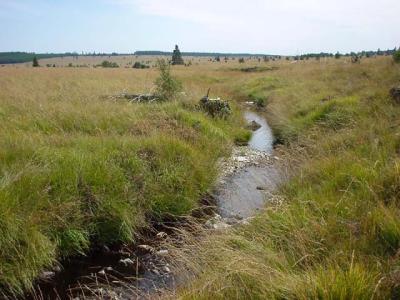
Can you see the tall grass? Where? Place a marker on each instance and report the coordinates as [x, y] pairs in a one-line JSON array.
[[337, 235], [77, 169]]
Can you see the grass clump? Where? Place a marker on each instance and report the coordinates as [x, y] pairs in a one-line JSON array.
[[242, 137]]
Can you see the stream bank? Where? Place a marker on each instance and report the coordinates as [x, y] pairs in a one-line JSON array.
[[247, 181]]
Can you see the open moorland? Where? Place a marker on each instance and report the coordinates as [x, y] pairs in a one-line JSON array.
[[80, 168]]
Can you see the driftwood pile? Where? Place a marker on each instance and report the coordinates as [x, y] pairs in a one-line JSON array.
[[215, 107], [148, 98]]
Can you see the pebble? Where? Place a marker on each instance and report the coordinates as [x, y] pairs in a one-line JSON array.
[[166, 269], [162, 235], [47, 275], [241, 159], [126, 262], [163, 252], [102, 272], [146, 248], [221, 225], [57, 269]]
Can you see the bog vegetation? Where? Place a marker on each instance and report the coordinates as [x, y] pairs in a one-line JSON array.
[[337, 233], [79, 170]]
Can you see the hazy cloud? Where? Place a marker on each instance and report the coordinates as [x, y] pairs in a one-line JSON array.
[[304, 25], [263, 26]]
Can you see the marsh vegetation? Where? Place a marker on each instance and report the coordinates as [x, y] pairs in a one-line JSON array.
[[79, 170]]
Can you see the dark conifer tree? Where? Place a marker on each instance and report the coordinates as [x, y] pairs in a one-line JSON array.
[[177, 57], [35, 62]]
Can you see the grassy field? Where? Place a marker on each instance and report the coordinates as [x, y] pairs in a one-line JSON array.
[[78, 169], [337, 235], [123, 61]]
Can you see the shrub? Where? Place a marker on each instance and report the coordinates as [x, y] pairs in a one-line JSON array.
[[167, 87], [177, 57], [35, 62], [396, 56], [215, 107], [109, 64], [260, 102], [138, 65], [241, 60]]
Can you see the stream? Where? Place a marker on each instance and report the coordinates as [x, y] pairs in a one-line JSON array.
[[123, 273], [262, 139], [246, 191]]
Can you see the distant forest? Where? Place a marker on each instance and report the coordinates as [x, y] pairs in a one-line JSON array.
[[20, 57]]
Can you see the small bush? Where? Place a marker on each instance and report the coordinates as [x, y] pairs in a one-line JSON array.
[[167, 87], [109, 64], [396, 56], [215, 107], [35, 62], [260, 102], [138, 65]]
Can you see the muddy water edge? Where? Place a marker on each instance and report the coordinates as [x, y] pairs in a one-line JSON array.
[[247, 182]]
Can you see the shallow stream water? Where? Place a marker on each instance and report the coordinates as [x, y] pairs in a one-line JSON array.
[[245, 192], [262, 139]]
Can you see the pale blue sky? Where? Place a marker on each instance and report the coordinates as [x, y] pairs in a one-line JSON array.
[[255, 26]]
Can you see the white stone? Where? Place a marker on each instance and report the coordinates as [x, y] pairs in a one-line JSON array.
[[162, 252], [146, 248], [162, 235], [102, 272], [126, 262]]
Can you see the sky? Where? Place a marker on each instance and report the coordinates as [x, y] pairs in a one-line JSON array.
[[286, 27]]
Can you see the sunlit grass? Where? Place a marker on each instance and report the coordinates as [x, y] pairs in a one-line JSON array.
[[337, 234], [78, 168]]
